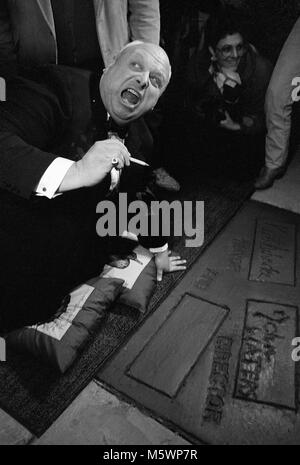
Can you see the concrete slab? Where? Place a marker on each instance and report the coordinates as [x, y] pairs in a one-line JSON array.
[[285, 191], [97, 417], [183, 336], [11, 432], [244, 387]]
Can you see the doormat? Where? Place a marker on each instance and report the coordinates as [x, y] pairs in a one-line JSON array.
[[234, 380], [36, 396]]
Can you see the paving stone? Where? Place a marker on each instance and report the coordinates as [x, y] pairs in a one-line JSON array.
[[11, 432], [191, 326], [97, 417], [244, 386]]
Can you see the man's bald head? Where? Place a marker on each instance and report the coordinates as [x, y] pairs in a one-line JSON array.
[[152, 48], [133, 83]]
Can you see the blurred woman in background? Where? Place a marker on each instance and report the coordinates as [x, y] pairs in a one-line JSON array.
[[225, 92]]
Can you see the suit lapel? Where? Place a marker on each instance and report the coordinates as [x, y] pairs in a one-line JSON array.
[[46, 9]]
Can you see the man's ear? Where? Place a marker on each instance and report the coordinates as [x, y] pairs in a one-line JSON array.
[[212, 52]]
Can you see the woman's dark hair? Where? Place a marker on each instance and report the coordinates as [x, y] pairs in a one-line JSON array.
[[225, 23]]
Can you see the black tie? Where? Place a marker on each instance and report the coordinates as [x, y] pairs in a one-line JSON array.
[[114, 129]]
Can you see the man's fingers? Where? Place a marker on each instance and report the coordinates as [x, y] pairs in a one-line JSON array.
[[174, 264], [177, 264], [122, 159], [121, 150], [125, 156], [177, 260], [177, 268]]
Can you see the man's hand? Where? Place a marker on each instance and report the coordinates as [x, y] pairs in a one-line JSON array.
[[165, 263], [229, 124], [95, 165]]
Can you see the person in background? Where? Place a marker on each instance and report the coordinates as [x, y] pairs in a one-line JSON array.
[[225, 91], [81, 33], [281, 94], [47, 200]]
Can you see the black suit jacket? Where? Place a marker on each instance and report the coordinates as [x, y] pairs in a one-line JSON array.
[[36, 116]]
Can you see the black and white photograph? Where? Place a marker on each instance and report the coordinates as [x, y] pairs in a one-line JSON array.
[[149, 225]]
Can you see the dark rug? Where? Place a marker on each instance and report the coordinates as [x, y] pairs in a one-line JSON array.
[[215, 360], [35, 395]]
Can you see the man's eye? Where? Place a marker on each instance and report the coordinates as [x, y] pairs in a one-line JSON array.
[[156, 81], [136, 65]]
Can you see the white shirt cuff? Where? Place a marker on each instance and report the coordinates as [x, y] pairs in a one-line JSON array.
[[163, 248], [53, 176], [130, 235]]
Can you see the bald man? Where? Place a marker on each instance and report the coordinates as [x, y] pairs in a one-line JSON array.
[[129, 88], [48, 241]]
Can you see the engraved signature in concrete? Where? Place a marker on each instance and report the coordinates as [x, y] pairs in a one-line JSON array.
[[271, 250], [240, 248], [218, 381], [262, 332]]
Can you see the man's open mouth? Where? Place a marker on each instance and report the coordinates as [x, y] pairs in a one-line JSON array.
[[130, 97]]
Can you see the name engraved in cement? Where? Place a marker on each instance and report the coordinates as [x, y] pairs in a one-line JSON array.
[[266, 371], [239, 251], [274, 253], [218, 381], [167, 359]]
